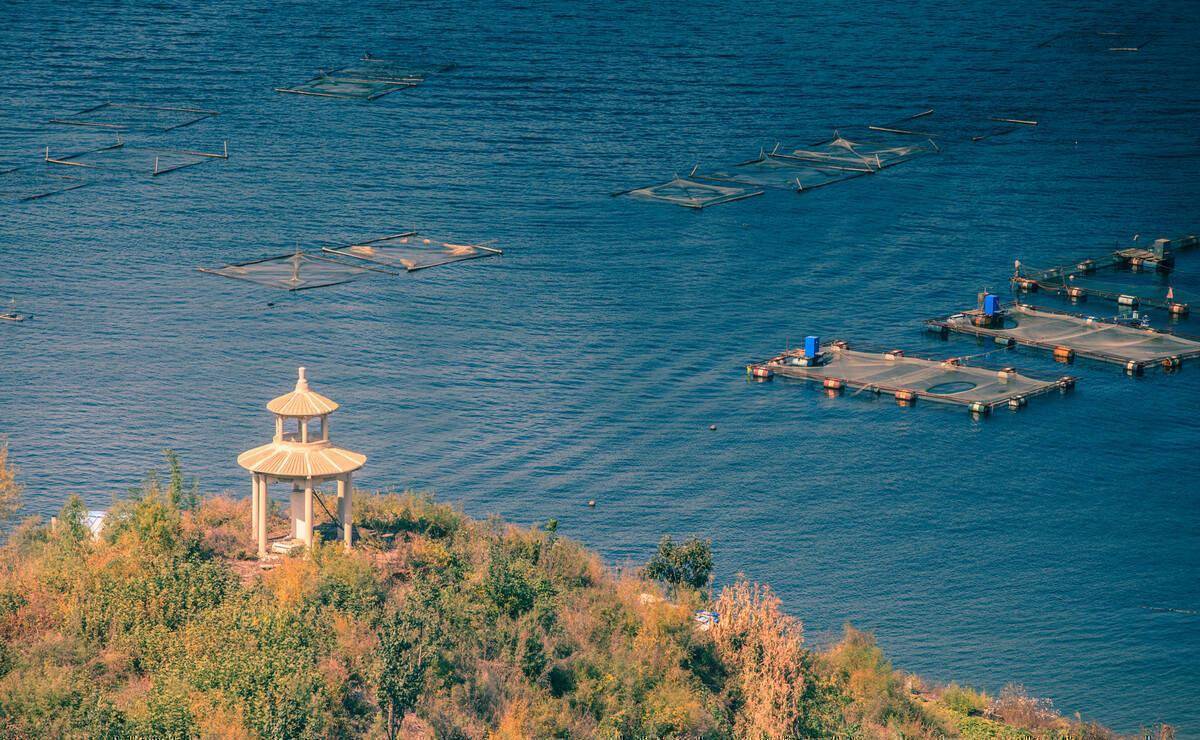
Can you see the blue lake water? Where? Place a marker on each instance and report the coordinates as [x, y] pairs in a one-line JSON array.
[[589, 361]]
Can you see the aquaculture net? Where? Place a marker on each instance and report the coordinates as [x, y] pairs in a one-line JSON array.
[[370, 78], [122, 158], [867, 152], [298, 271], [132, 116], [34, 182], [1087, 336], [691, 193], [943, 381], [774, 171], [411, 251]]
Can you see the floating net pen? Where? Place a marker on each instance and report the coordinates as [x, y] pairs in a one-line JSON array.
[[132, 116], [411, 251], [1070, 335], [837, 367], [34, 182], [294, 272], [691, 193]]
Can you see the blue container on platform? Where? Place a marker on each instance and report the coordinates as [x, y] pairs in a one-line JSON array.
[[812, 346], [991, 305]]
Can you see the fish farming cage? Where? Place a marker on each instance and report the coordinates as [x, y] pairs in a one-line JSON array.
[[951, 381], [1130, 276], [34, 182], [781, 172], [1070, 335], [411, 251], [863, 150], [691, 193], [369, 79], [931, 125], [120, 157], [135, 117], [1098, 42], [293, 272], [800, 169]]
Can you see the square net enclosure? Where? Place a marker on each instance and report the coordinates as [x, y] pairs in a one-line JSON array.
[[691, 193], [412, 251], [293, 272], [370, 78], [787, 173], [908, 378], [867, 151], [1069, 335], [122, 158], [960, 125], [135, 117], [34, 182]]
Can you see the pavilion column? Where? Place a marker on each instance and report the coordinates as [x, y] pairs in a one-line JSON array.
[[345, 507], [262, 516], [254, 504], [308, 512]]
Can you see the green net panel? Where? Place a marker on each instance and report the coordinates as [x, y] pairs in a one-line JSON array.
[[942, 381], [34, 182], [135, 117], [691, 193], [298, 271], [412, 251], [370, 78], [1084, 336]]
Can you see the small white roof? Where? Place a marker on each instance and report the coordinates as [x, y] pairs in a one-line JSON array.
[[302, 401]]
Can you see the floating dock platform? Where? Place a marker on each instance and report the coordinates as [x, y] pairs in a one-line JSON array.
[[1070, 335], [1071, 280], [836, 367]]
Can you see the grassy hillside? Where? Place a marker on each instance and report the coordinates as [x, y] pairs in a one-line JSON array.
[[435, 625]]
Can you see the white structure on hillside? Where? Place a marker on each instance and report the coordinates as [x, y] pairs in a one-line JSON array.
[[304, 457]]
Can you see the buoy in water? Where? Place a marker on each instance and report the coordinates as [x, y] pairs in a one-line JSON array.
[[1076, 294], [712, 427], [1177, 309], [1064, 354], [978, 407], [1171, 363], [906, 397], [1016, 403], [592, 503], [833, 384]]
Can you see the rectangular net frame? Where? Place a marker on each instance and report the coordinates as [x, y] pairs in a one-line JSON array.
[[930, 125], [909, 378], [411, 251], [293, 272], [153, 161], [371, 78], [1070, 335], [782, 172], [133, 116], [27, 183], [681, 191]]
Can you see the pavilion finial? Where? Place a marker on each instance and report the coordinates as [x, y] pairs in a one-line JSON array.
[[301, 382]]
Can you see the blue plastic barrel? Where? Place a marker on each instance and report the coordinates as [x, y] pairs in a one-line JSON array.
[[812, 346]]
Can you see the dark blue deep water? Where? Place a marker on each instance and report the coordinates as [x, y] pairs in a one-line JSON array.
[[589, 361]]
